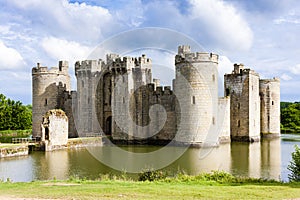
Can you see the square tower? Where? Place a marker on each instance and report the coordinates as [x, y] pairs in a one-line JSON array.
[[242, 85]]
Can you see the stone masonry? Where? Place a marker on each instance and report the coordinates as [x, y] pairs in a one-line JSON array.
[[118, 97]]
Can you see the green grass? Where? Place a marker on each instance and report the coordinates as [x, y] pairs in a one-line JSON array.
[[181, 187], [10, 145], [7, 135]]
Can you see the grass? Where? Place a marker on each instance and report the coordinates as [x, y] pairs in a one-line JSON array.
[[10, 145], [180, 187], [7, 135]]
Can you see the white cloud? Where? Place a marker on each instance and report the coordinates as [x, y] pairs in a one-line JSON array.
[[295, 69], [70, 20], [223, 23], [10, 58], [285, 77], [225, 65], [60, 49]]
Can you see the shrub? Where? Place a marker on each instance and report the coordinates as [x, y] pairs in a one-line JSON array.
[[294, 165], [152, 175]]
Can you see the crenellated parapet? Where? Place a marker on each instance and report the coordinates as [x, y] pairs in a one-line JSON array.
[[115, 61], [89, 65], [185, 55], [62, 69]]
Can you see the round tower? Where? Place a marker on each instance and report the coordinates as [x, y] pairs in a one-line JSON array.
[[196, 88], [48, 86], [269, 91]]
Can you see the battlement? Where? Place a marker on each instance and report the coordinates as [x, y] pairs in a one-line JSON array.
[[183, 49], [62, 69], [239, 69], [128, 62], [272, 80], [185, 55], [92, 65]]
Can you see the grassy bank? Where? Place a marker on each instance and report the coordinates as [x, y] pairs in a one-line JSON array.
[[180, 187], [7, 135]]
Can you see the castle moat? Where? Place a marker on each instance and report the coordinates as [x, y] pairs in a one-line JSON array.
[[267, 159]]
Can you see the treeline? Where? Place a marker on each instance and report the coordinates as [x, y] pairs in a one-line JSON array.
[[290, 117], [14, 115]]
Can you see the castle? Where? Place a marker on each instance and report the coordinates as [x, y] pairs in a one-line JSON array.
[[119, 98]]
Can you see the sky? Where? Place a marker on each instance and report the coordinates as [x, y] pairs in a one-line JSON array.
[[264, 35]]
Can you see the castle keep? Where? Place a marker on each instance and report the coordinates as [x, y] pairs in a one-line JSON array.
[[118, 97]]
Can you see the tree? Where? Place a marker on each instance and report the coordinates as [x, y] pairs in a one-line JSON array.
[[294, 165], [14, 115]]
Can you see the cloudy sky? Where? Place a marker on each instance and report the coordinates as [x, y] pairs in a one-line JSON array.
[[262, 34]]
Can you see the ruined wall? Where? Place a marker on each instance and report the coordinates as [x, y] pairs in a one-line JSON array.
[[242, 85], [54, 129], [48, 86], [196, 88], [269, 90]]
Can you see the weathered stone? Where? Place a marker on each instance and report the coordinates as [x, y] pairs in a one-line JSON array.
[[119, 98]]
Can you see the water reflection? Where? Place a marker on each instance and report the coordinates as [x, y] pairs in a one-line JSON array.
[[255, 160]]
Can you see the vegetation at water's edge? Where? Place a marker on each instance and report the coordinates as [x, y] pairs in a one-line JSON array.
[[294, 165], [290, 117], [7, 135], [217, 185]]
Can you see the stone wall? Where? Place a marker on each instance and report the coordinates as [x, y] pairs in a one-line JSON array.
[[48, 87], [196, 89], [242, 85], [224, 119], [269, 90], [54, 129]]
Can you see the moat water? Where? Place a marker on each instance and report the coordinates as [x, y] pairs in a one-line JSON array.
[[268, 159]]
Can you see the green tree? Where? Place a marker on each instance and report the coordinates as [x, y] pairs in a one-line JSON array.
[[14, 115], [290, 118], [294, 165]]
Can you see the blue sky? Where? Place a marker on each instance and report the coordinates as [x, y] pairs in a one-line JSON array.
[[262, 34]]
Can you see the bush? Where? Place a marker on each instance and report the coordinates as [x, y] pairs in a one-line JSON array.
[[151, 175], [294, 165]]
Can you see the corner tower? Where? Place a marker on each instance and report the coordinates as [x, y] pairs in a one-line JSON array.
[[196, 88], [48, 87], [269, 91], [242, 85]]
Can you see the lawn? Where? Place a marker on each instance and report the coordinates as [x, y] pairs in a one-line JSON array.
[[163, 189]]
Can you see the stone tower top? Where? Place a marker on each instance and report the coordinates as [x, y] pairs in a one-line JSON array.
[[183, 49], [238, 68], [115, 61], [62, 68], [185, 55]]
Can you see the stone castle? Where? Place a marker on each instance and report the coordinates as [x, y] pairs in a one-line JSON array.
[[119, 98]]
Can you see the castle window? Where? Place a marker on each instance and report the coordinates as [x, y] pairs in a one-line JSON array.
[[123, 99], [213, 121], [60, 69], [227, 91], [82, 83], [46, 102], [193, 100], [272, 103], [89, 100], [239, 123], [241, 71], [213, 77], [252, 87]]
